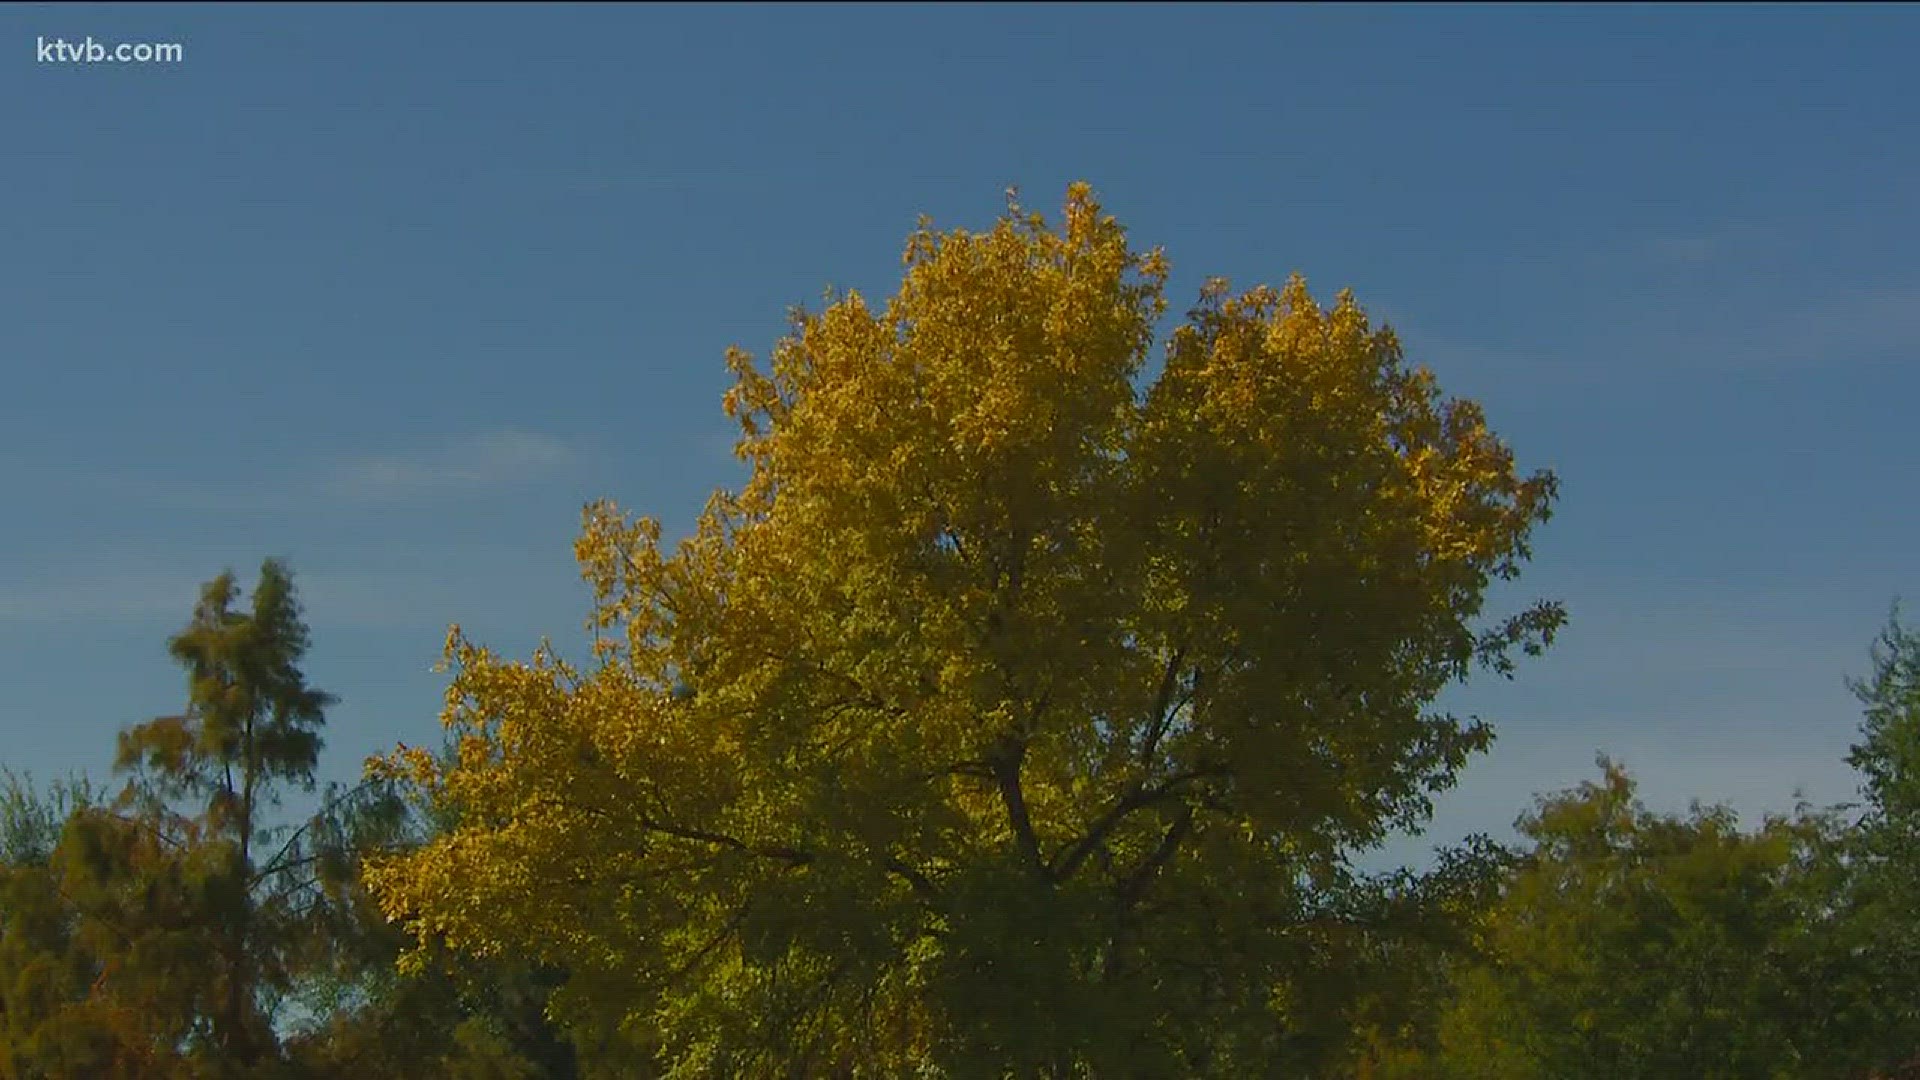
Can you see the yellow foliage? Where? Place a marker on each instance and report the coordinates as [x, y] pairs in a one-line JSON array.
[[986, 621]]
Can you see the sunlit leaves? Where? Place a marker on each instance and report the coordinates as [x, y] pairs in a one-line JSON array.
[[997, 662]]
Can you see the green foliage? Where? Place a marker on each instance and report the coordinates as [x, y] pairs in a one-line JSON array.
[[1011, 721], [1632, 944], [1883, 878], [164, 933], [455, 1016], [30, 821], [170, 937], [1888, 755]]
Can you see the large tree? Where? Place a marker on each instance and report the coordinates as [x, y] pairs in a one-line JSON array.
[[1009, 719], [250, 728], [1625, 943], [181, 922], [176, 932], [1633, 944]]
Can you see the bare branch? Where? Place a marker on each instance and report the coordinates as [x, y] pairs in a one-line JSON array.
[[271, 865]]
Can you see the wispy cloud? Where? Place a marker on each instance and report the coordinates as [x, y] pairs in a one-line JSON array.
[[415, 591], [114, 595], [1750, 325], [1834, 329], [485, 463], [485, 591], [1686, 250], [1727, 688], [1882, 323]]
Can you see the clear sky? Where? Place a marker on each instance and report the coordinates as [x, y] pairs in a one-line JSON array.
[[393, 291]]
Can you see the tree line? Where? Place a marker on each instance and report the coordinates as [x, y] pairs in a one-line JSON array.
[[1020, 716]]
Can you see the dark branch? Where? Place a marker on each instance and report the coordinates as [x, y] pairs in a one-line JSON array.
[[283, 867], [718, 939], [922, 886], [1161, 717], [272, 865], [1135, 884], [978, 770], [1006, 773], [1139, 796], [791, 855]]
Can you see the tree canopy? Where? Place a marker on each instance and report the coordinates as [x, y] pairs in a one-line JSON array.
[[162, 933], [1010, 718], [1020, 716], [1630, 943]]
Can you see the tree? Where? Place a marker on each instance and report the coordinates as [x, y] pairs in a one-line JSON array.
[[251, 726], [456, 1017], [39, 963], [1008, 720], [1633, 944], [147, 936], [184, 932], [1884, 898], [1423, 929], [30, 821]]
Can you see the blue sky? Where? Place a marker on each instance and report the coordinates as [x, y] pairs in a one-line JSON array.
[[392, 291]]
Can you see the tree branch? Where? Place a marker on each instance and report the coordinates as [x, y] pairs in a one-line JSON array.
[[280, 868], [137, 822], [923, 886], [959, 546], [1139, 796], [272, 866], [978, 770], [1006, 773], [1161, 718], [794, 856], [707, 949], [1136, 883]]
